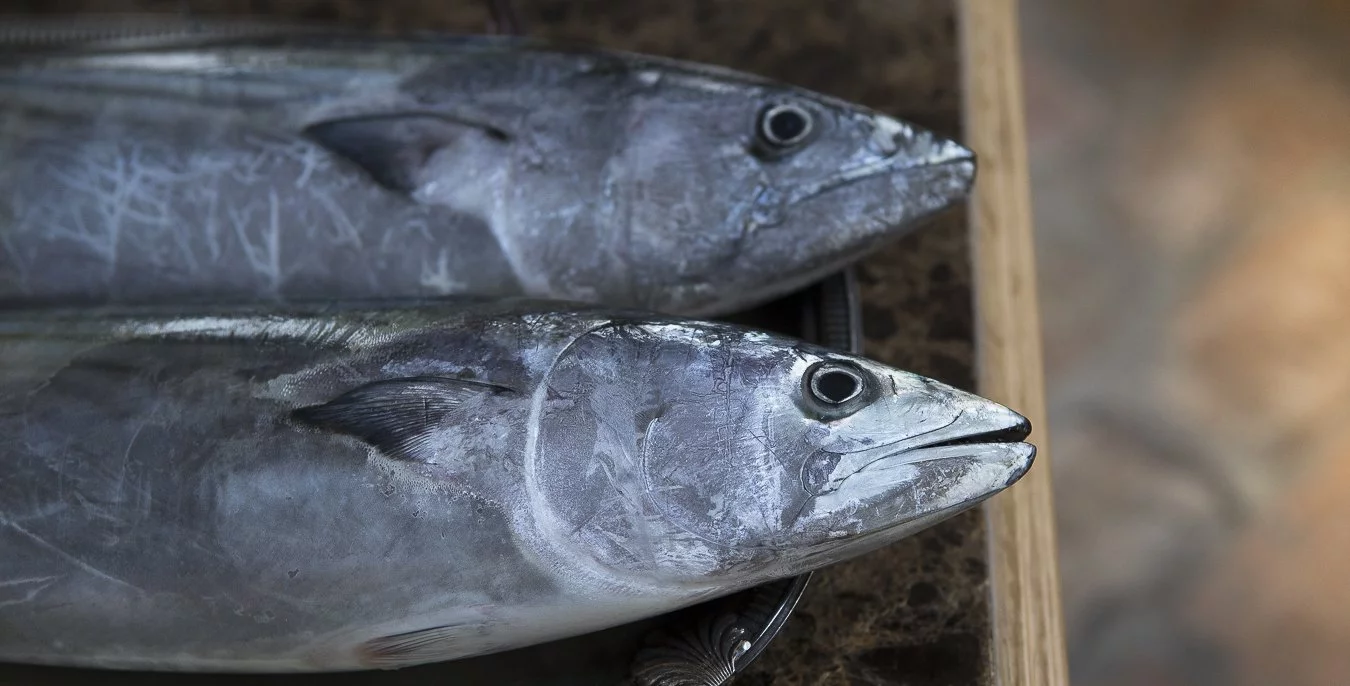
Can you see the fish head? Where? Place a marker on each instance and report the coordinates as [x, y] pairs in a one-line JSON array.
[[737, 190], [713, 454], [886, 453]]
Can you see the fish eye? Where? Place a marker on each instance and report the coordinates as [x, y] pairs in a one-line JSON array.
[[783, 126], [835, 384]]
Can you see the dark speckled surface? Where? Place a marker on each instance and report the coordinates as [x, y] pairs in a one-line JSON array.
[[917, 613]]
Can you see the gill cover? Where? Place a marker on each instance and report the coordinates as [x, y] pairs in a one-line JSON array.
[[669, 449]]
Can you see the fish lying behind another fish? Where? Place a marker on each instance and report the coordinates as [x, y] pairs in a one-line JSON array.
[[304, 165], [342, 488]]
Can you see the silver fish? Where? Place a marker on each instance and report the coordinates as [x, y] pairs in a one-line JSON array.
[[305, 166], [374, 488]]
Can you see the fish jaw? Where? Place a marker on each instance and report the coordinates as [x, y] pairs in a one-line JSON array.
[[881, 494]]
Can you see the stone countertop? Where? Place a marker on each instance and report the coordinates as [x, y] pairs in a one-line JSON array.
[[916, 613]]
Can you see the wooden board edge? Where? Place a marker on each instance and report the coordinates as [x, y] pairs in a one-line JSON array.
[[1028, 642]]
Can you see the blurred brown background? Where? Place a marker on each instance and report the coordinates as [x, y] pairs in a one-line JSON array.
[[1191, 180]]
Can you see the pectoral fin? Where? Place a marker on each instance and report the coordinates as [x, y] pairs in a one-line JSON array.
[[395, 148], [398, 416]]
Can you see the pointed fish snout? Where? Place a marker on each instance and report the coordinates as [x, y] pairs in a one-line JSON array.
[[952, 152], [1017, 430], [936, 150], [1004, 439], [986, 421], [918, 147], [980, 420]]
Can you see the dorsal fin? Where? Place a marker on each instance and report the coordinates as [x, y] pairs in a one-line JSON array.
[[394, 148], [397, 416]]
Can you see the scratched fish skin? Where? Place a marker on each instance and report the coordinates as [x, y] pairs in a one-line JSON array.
[[351, 488], [341, 166]]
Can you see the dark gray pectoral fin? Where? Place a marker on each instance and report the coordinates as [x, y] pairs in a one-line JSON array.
[[393, 148], [398, 416], [429, 645]]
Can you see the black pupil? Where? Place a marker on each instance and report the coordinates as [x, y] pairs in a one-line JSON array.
[[836, 387], [787, 125]]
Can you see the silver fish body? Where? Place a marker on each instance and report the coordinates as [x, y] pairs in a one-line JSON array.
[[335, 166], [374, 488]]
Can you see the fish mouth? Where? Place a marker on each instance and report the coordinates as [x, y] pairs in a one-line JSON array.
[[888, 492], [942, 156], [1016, 433], [1004, 445], [945, 168], [982, 434], [976, 423]]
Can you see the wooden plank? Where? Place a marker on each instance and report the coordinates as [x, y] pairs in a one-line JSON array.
[[1029, 646]]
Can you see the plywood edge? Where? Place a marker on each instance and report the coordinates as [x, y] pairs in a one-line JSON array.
[[1029, 646]]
